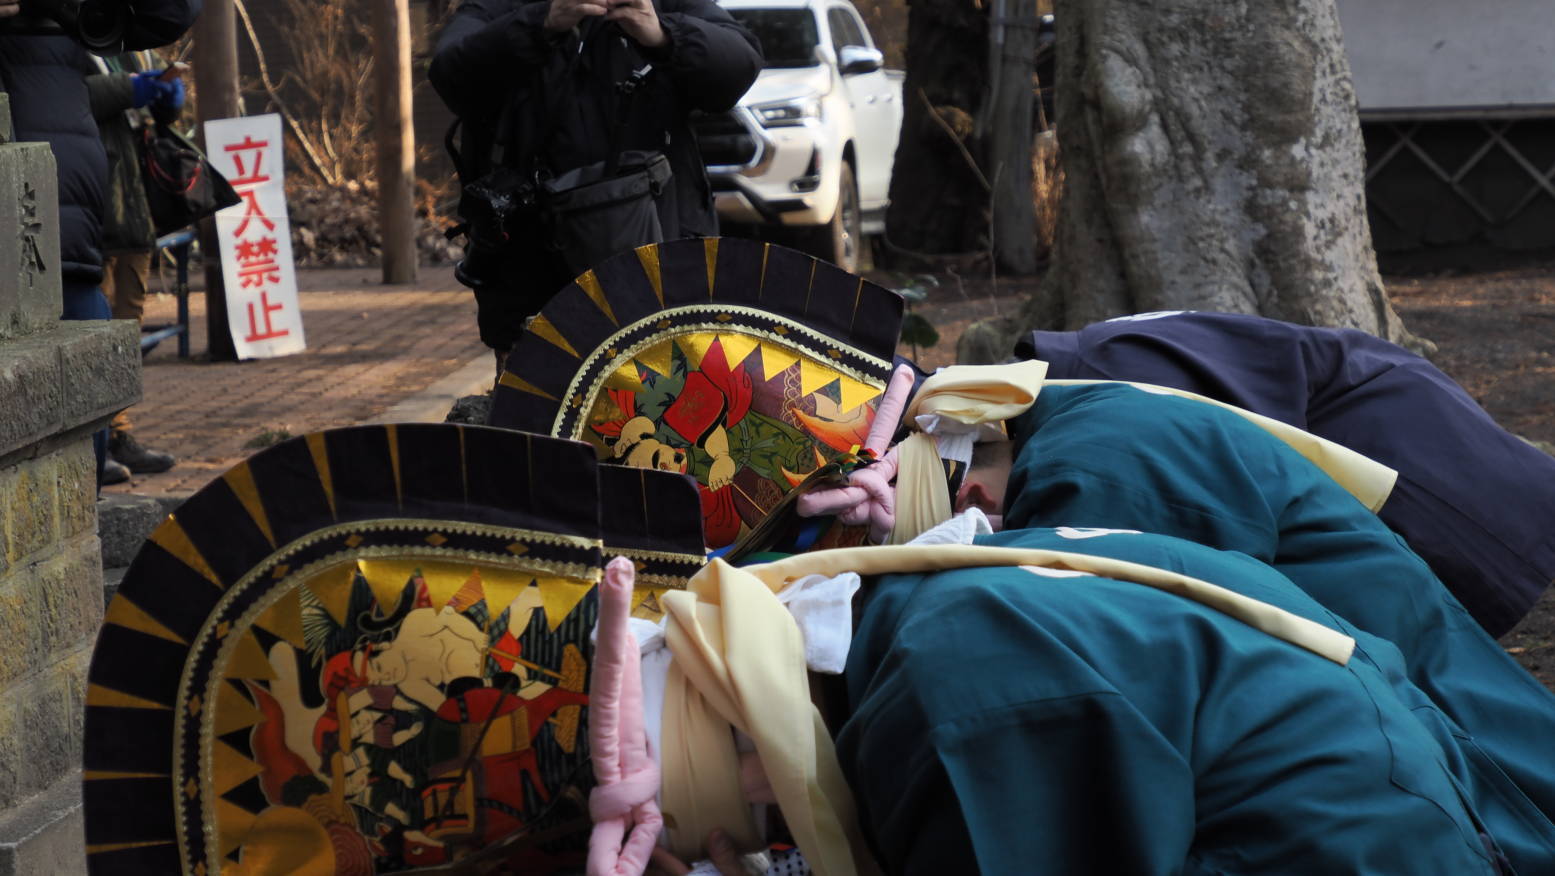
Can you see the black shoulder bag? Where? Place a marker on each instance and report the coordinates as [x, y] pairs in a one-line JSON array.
[[181, 186]]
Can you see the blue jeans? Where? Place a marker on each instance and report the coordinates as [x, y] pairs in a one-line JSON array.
[[86, 301]]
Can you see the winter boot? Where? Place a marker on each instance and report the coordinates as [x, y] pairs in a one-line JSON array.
[[113, 473], [124, 449]]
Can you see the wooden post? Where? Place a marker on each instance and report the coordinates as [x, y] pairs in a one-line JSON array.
[[216, 84], [395, 130], [1009, 139]]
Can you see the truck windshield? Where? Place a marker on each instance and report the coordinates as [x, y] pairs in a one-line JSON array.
[[788, 36]]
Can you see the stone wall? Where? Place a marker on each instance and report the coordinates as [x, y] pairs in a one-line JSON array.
[[59, 382]]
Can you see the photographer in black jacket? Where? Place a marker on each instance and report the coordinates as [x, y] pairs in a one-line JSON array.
[[43, 69], [535, 85]]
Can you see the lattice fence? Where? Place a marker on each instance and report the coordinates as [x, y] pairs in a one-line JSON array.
[[1441, 183]]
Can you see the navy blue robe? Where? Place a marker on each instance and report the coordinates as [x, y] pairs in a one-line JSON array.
[[1476, 502]]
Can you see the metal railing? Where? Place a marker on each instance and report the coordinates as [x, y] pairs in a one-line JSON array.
[[176, 246]]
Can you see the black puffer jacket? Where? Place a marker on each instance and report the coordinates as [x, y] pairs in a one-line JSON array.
[[44, 73], [496, 51]]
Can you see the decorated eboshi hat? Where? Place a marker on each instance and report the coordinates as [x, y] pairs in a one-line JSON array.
[[654, 519], [365, 650], [746, 365]]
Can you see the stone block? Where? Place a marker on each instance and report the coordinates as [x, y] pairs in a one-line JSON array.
[[77, 488], [123, 523], [5, 118], [112, 578], [48, 609], [40, 728], [19, 657], [29, 239], [99, 367], [74, 669], [32, 395], [70, 586], [45, 835], [73, 374], [29, 508]]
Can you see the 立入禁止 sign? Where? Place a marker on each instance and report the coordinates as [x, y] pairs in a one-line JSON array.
[[255, 235]]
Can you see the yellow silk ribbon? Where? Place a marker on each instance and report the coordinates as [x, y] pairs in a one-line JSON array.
[[975, 394], [883, 560], [706, 791], [922, 495], [742, 658], [971, 395]]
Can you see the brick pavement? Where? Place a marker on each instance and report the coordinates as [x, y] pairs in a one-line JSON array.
[[370, 347]]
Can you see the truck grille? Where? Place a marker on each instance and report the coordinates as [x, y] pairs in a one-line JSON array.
[[724, 140]]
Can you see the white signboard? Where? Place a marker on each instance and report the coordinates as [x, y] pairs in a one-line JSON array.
[[256, 240]]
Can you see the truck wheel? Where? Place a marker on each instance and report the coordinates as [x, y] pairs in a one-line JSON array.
[[841, 241]]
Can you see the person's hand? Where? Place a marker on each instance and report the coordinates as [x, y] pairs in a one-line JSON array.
[[640, 21], [173, 97], [720, 851], [9, 8], [564, 15], [153, 88]]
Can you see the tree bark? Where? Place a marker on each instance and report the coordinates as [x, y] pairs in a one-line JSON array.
[[938, 202], [395, 132], [1012, 215], [216, 83], [1212, 160]]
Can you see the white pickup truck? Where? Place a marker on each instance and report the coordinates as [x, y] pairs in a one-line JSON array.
[[809, 148]]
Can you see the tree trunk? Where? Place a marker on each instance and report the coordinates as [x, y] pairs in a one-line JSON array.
[[216, 83], [1212, 160], [939, 203], [1008, 125], [395, 132]]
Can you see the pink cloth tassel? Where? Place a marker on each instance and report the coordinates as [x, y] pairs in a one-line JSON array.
[[869, 497], [628, 779]]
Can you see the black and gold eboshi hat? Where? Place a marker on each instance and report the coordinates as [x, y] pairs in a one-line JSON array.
[[743, 364], [654, 519], [363, 650]]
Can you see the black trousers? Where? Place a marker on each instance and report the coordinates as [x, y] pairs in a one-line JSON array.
[[511, 286]]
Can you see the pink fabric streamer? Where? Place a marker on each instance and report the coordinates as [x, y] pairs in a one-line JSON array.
[[869, 497], [628, 779]]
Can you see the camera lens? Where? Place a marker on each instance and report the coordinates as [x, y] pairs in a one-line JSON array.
[[101, 25]]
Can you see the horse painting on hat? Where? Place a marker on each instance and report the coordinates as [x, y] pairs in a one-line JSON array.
[[745, 365]]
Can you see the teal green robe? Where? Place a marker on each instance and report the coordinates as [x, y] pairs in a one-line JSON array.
[[1114, 456], [1004, 722]]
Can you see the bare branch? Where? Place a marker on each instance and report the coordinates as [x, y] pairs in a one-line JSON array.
[[264, 78], [970, 161]]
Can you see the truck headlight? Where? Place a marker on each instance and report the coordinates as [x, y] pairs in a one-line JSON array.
[[789, 112]]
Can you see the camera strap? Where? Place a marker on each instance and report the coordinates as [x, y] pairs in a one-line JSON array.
[[625, 90], [626, 99]]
